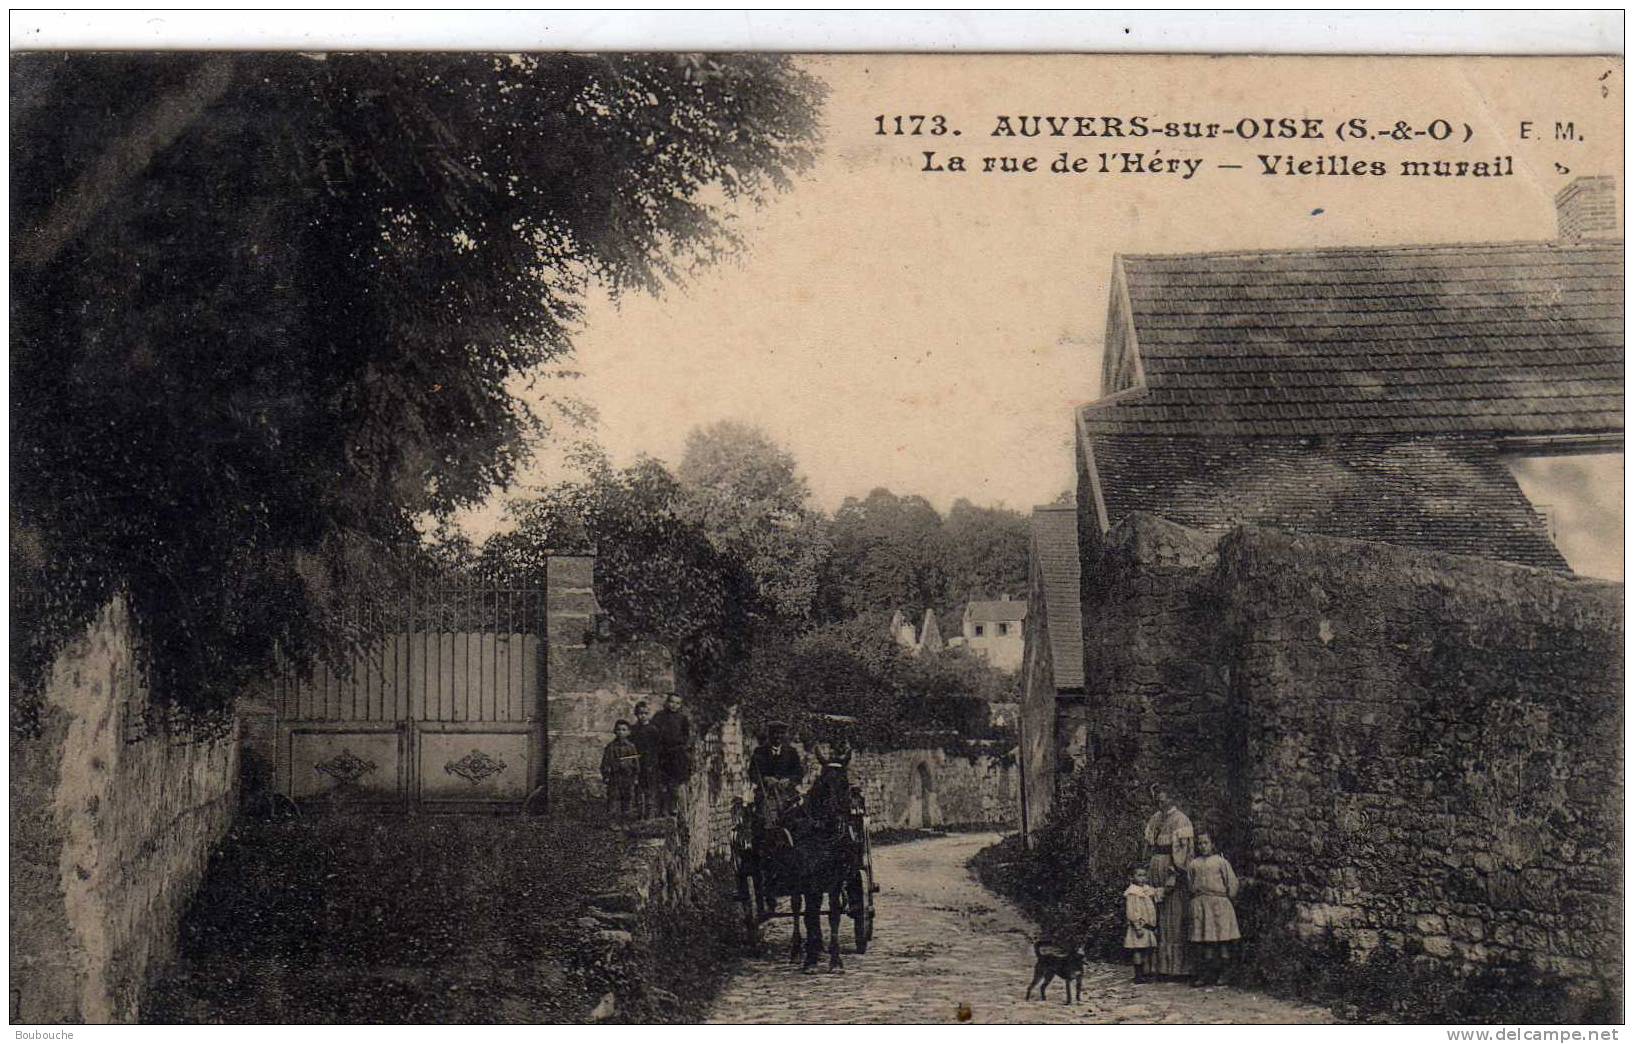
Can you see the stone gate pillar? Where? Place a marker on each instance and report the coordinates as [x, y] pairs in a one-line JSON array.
[[570, 617]]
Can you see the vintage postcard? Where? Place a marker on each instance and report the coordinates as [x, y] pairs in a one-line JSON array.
[[774, 538]]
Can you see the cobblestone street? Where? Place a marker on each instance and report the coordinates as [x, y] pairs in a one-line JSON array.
[[943, 939]]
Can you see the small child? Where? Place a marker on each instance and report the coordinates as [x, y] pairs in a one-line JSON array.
[[621, 769], [1213, 918], [1140, 901]]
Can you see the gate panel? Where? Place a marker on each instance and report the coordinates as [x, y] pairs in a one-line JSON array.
[[346, 764], [444, 706], [459, 765]]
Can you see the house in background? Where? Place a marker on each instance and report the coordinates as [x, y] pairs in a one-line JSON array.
[[930, 634], [926, 639], [902, 630], [1052, 672], [1409, 395], [992, 630]]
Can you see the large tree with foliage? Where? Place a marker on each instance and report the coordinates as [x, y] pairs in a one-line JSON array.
[[659, 577], [747, 493], [265, 308], [895, 551], [985, 552], [854, 669], [887, 553]]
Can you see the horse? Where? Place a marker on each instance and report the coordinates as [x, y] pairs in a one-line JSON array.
[[808, 853], [760, 826]]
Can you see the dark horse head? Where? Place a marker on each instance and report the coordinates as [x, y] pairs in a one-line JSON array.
[[829, 800]]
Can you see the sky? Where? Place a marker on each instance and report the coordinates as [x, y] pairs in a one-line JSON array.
[[932, 332]]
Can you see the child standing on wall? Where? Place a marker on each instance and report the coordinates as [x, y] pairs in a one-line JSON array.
[[620, 769], [1213, 918], [1140, 901]]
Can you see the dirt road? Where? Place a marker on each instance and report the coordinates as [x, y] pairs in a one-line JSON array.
[[944, 940]]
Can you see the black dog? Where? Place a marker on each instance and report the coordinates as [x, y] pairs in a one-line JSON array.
[[1056, 962]]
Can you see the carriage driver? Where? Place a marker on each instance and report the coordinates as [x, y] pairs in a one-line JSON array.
[[775, 759]]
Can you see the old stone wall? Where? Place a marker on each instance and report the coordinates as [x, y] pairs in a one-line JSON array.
[[1035, 719], [1156, 680], [590, 684], [929, 787], [111, 830], [586, 703], [1433, 750], [666, 856], [1408, 749], [720, 779]]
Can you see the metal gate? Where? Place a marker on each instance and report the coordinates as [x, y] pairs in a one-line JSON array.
[[445, 708]]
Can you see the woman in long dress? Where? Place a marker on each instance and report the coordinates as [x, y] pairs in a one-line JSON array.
[[1169, 850]]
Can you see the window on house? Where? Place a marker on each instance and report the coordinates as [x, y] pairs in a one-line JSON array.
[[979, 630], [1004, 629]]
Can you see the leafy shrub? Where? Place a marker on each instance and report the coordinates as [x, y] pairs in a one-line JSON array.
[[852, 679]]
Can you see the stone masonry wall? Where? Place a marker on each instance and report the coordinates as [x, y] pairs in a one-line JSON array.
[[1433, 751], [587, 701], [1035, 724], [109, 835], [665, 856], [593, 684], [1157, 682], [1408, 749], [590, 684], [930, 788], [720, 778]]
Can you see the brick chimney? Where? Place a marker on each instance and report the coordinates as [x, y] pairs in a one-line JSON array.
[[1587, 209]]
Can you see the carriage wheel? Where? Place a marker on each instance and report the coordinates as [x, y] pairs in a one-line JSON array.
[[860, 899], [754, 914], [748, 901], [870, 887], [751, 922]]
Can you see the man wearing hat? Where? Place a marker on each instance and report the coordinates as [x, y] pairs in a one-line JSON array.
[[775, 758]]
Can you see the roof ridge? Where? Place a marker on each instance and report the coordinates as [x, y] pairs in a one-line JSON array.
[[1364, 249]]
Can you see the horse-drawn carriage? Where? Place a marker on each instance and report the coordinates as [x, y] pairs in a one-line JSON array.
[[808, 849]]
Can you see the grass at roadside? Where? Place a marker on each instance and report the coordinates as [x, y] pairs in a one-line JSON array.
[[356, 918], [675, 970]]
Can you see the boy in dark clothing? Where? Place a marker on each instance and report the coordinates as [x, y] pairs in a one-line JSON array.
[[645, 738], [674, 730], [620, 769]]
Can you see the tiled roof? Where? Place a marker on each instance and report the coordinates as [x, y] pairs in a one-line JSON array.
[[1444, 494], [996, 612], [1510, 338], [1055, 555]]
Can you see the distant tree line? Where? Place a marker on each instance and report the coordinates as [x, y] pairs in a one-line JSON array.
[[894, 552]]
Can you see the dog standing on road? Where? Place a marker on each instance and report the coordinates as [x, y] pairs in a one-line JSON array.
[[1057, 962]]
